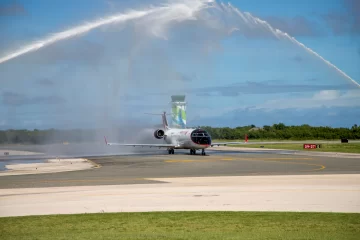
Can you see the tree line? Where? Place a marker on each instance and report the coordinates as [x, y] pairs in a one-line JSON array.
[[275, 132], [282, 132], [36, 136]]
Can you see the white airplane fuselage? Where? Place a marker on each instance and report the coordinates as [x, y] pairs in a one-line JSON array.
[[187, 138], [174, 138]]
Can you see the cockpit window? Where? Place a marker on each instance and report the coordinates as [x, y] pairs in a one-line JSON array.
[[200, 137]]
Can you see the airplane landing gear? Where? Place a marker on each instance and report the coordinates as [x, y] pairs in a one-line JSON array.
[[193, 152], [171, 151], [203, 152]]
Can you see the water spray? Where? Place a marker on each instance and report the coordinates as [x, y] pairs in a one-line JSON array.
[[180, 12], [280, 34], [293, 40], [175, 11]]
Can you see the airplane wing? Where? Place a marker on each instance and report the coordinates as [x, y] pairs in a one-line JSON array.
[[141, 145]]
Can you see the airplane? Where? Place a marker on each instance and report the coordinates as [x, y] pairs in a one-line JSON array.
[[175, 138]]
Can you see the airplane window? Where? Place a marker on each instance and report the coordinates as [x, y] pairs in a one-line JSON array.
[[200, 137]]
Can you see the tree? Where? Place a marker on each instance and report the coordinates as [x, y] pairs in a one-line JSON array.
[[279, 126], [16, 139], [267, 128], [3, 137]]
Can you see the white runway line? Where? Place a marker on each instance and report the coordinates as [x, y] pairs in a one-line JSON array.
[[311, 193]]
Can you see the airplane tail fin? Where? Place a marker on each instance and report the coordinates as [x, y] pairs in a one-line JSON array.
[[164, 119]]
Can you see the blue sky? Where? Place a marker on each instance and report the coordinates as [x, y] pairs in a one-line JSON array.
[[113, 74]]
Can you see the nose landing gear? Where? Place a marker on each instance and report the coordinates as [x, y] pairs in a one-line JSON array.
[[203, 152], [193, 152], [171, 151]]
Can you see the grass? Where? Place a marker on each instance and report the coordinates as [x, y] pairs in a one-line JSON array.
[[326, 147], [184, 225]]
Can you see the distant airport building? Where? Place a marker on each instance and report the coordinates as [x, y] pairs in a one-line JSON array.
[[178, 111]]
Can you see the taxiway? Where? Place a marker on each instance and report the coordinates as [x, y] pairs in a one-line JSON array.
[[138, 168], [224, 180]]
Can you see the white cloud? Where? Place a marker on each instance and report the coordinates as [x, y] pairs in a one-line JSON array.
[[332, 114], [326, 95], [327, 98], [198, 113], [37, 123], [324, 98]]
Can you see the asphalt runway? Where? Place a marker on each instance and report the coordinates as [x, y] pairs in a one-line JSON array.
[[140, 168]]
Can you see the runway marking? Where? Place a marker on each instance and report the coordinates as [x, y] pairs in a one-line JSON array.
[[279, 159], [86, 180], [96, 165], [175, 161], [231, 159], [275, 160], [197, 161], [287, 158], [321, 167]]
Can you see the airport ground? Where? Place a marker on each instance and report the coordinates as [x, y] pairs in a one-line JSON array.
[[139, 168], [243, 170], [325, 147], [228, 179]]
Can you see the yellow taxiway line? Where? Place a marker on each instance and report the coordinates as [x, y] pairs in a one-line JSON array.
[[275, 160]]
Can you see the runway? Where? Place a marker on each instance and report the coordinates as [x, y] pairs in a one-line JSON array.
[[138, 168], [224, 180]]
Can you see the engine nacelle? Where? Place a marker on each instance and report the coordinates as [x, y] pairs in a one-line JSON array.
[[159, 134]]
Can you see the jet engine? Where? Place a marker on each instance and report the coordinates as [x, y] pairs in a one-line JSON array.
[[159, 134]]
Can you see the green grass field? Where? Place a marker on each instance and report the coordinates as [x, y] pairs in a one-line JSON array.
[[325, 147], [184, 225]]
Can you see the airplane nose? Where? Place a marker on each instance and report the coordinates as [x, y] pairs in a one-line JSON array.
[[201, 137]]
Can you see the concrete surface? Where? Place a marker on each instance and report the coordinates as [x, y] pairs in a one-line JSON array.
[[223, 180], [293, 152], [320, 193], [51, 166], [138, 169], [17, 152]]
